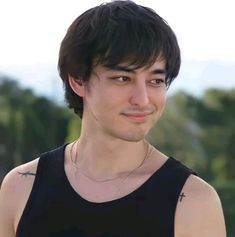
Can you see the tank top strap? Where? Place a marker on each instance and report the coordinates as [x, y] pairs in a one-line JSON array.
[[170, 179], [178, 174], [51, 163]]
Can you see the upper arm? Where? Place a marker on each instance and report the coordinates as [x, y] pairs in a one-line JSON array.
[[14, 193], [7, 206], [200, 212]]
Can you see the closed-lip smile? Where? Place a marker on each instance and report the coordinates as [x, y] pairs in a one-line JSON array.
[[137, 116]]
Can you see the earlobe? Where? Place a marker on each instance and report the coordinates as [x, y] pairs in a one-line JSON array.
[[77, 85]]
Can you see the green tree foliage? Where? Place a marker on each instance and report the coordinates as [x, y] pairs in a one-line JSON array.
[[221, 106], [74, 128], [29, 125], [200, 132]]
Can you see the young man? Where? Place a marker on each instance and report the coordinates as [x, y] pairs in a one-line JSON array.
[[117, 61]]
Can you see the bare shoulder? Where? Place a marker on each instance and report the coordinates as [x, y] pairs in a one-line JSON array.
[[199, 210], [14, 193]]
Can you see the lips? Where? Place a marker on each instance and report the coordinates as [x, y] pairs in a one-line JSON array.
[[137, 117]]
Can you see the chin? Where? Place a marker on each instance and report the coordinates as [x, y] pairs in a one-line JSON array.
[[133, 136]]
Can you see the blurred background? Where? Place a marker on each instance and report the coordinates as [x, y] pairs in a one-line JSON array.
[[198, 124]]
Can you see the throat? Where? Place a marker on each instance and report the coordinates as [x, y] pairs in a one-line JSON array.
[[109, 165]]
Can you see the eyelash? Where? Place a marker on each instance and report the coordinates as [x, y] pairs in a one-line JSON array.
[[158, 81], [126, 79], [118, 78]]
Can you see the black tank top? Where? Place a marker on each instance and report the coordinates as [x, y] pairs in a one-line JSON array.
[[54, 209]]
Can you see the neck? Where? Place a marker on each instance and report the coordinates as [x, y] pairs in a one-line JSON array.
[[103, 158]]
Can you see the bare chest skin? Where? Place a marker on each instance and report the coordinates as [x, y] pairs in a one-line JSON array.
[[103, 191]]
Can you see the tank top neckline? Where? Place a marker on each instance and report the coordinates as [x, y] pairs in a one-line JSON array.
[[124, 198]]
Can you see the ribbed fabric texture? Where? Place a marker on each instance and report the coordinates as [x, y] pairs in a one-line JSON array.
[[54, 209]]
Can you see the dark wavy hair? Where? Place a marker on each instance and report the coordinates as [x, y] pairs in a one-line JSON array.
[[112, 33]]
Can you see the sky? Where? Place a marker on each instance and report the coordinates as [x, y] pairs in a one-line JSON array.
[[31, 32]]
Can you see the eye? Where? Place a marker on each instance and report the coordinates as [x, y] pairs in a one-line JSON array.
[[158, 82], [121, 78]]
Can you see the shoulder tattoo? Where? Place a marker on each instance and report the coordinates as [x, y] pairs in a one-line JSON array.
[[181, 196]]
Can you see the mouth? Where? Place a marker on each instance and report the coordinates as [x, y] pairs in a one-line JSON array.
[[137, 117]]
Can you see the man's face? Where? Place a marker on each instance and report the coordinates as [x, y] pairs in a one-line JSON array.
[[123, 103]]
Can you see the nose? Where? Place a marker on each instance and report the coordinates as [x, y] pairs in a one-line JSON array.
[[139, 95]]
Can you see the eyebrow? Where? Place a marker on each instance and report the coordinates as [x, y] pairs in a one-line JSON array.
[[129, 70]]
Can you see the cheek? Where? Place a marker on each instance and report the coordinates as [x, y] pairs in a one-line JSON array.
[[104, 102], [113, 98], [160, 98]]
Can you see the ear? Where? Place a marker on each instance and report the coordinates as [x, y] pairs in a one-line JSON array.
[[77, 85]]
